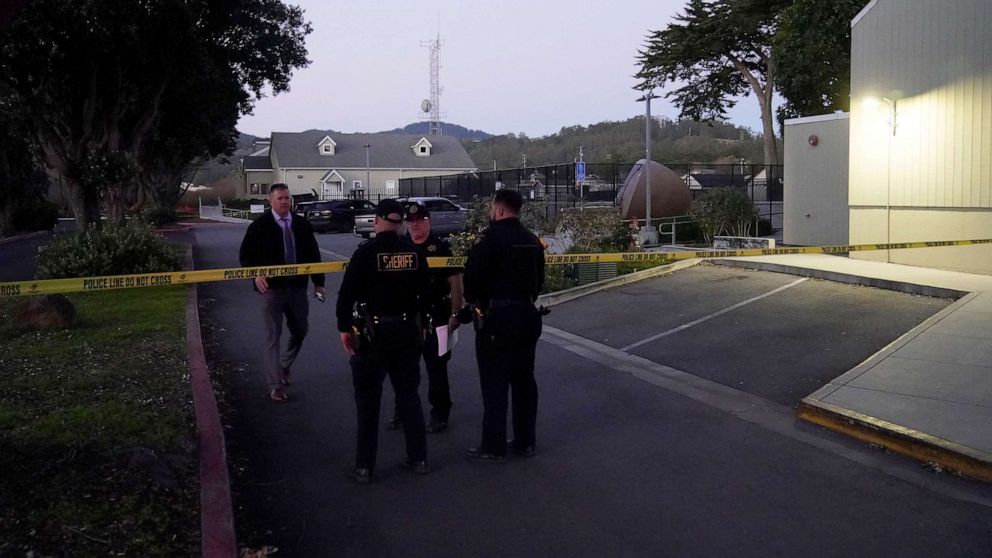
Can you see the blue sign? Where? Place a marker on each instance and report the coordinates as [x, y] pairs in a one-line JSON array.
[[580, 171]]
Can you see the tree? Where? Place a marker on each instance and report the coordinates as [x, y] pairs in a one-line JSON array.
[[21, 179], [719, 49], [813, 50], [102, 82]]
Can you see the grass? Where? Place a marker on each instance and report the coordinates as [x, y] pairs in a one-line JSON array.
[[97, 433]]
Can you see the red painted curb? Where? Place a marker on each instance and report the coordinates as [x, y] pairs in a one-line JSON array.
[[216, 509]]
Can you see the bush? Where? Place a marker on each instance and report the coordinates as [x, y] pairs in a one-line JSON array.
[[158, 216], [461, 242], [595, 230], [35, 214], [724, 211], [133, 248]]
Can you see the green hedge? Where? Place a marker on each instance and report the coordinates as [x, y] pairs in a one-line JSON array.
[[133, 248]]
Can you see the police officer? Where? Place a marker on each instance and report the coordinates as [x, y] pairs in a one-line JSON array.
[[385, 282], [503, 276], [444, 302]]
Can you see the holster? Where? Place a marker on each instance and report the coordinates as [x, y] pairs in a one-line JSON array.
[[478, 318]]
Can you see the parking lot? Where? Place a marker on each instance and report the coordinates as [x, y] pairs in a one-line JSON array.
[[773, 335], [681, 445]]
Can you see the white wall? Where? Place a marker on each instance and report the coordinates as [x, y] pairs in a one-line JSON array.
[[932, 178]]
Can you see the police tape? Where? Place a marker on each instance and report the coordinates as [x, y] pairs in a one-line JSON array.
[[111, 282]]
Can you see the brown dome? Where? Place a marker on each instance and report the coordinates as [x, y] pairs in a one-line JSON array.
[[669, 193]]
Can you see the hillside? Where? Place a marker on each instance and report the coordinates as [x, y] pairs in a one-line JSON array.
[[672, 142], [448, 129]]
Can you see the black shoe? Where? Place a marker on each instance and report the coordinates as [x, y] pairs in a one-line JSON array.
[[394, 423], [419, 467], [435, 426], [362, 475], [526, 451], [478, 454]]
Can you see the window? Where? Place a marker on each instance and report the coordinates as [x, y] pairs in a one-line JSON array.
[[439, 205], [356, 184], [258, 189], [423, 149], [327, 149]]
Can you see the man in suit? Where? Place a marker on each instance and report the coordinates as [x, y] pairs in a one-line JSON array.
[[279, 237]]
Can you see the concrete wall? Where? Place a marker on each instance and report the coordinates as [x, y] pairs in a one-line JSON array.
[[921, 161], [815, 204]]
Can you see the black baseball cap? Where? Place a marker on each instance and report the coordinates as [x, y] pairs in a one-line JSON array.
[[416, 210], [387, 207]]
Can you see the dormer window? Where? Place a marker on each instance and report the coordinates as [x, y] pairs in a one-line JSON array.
[[326, 146], [422, 148]]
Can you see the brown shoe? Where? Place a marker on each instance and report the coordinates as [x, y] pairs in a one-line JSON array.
[[278, 395], [284, 376]]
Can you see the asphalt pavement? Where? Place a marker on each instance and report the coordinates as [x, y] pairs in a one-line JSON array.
[[658, 450]]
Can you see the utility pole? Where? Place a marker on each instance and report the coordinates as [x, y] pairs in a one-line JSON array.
[[368, 181], [648, 235]]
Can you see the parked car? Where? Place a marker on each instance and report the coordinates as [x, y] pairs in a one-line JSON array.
[[334, 215], [447, 217]]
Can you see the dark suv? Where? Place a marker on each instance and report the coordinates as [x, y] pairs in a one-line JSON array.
[[334, 215]]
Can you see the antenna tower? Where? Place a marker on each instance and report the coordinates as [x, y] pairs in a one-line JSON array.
[[433, 106]]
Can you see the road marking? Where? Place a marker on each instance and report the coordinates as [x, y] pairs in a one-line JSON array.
[[766, 414], [675, 330], [333, 255]]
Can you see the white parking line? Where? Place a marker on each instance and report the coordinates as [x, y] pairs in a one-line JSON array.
[[711, 316]]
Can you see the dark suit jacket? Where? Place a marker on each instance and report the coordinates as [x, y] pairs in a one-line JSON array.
[[263, 245]]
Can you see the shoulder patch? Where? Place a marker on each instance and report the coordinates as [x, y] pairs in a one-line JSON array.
[[397, 261]]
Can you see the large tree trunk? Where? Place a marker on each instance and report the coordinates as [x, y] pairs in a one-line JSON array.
[[768, 129], [85, 205], [116, 205]]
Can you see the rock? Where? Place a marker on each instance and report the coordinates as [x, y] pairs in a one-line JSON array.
[[44, 312]]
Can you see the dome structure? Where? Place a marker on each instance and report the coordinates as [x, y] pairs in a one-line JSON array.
[[670, 195]]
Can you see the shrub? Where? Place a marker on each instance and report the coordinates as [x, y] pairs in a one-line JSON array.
[[724, 211], [133, 248], [595, 230], [158, 216], [461, 242]]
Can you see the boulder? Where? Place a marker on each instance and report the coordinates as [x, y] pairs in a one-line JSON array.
[[43, 312]]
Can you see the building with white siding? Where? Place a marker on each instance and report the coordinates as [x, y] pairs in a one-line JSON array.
[[331, 165], [921, 130]]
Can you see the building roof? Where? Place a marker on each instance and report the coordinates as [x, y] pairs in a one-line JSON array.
[[258, 162], [299, 150]]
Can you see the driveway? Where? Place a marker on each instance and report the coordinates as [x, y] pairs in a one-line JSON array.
[[659, 450]]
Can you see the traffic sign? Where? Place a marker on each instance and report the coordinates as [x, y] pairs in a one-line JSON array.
[[580, 171]]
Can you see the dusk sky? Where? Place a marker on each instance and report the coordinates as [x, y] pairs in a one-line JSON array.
[[506, 66]]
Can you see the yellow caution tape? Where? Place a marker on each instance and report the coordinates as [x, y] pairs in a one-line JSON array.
[[84, 284]]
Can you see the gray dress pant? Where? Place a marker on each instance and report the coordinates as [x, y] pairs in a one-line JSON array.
[[293, 304]]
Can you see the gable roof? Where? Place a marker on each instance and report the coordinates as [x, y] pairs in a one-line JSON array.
[[258, 162], [297, 150]]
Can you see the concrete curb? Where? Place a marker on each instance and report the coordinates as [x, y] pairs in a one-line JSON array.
[[28, 236], [963, 460], [216, 509], [837, 277], [559, 297]]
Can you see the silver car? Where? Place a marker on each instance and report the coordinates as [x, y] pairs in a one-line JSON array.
[[447, 217]]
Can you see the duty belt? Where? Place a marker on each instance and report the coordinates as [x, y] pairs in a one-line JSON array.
[[500, 302], [392, 319]]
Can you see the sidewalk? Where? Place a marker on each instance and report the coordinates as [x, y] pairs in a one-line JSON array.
[[927, 395]]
